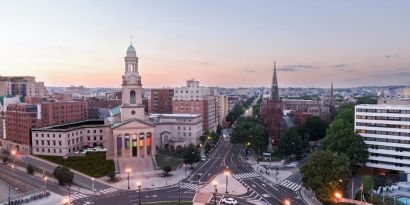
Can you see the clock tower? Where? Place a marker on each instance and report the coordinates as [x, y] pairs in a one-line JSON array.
[[132, 106]]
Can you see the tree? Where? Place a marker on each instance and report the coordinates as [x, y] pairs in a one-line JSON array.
[[202, 138], [291, 143], [191, 155], [207, 147], [219, 129], [249, 130], [366, 100], [214, 136], [350, 143], [325, 173], [112, 176], [368, 184], [63, 175], [30, 169], [236, 112], [166, 170], [5, 159], [315, 127]]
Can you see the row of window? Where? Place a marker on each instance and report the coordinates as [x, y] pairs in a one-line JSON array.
[[397, 149], [383, 111], [389, 156], [406, 134], [389, 163], [386, 118], [386, 140], [382, 125], [72, 141], [68, 135]]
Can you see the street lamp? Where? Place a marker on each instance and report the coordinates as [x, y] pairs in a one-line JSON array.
[[185, 168], [93, 186], [139, 192], [179, 192], [10, 195], [338, 195], [45, 183], [215, 183], [287, 202], [226, 173], [69, 193], [128, 170], [66, 200]]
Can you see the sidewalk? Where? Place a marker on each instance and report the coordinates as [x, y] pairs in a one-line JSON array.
[[309, 197], [52, 199], [270, 174], [234, 187], [152, 179], [51, 179]]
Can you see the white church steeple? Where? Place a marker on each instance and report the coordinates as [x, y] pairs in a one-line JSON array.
[[132, 106]]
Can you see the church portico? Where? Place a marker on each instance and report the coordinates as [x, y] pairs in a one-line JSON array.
[[131, 145]]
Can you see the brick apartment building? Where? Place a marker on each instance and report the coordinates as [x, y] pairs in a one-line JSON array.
[[95, 104], [20, 118], [160, 101], [55, 113], [195, 99]]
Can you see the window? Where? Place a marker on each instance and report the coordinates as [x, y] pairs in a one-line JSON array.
[[133, 99]]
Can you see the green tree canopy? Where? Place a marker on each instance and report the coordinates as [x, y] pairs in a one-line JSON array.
[[350, 143], [236, 112], [191, 155], [366, 100], [63, 174], [315, 127], [325, 173], [250, 130], [291, 143]]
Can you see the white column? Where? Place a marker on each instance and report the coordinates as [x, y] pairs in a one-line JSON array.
[[115, 146], [122, 147], [145, 144]]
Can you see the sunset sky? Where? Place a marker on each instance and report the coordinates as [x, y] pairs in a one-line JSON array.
[[221, 43]]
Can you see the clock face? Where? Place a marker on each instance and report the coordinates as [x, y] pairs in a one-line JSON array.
[[133, 112]]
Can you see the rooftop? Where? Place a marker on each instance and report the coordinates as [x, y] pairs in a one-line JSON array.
[[70, 126], [175, 115]]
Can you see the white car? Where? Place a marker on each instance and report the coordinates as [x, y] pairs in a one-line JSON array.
[[229, 201]]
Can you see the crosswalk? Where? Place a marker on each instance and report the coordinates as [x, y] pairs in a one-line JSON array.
[[77, 195], [291, 185], [188, 185], [246, 175], [108, 190]]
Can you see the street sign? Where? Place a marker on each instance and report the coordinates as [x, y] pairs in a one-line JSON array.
[[267, 154]]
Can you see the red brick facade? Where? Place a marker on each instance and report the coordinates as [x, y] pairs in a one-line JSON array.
[[55, 113], [20, 118], [161, 101]]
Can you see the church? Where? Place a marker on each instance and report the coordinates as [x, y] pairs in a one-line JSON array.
[[131, 144]]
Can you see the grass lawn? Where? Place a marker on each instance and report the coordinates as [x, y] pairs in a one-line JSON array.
[[171, 161], [93, 164], [170, 203]]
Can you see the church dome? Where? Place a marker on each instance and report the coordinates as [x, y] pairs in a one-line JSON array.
[[131, 49]]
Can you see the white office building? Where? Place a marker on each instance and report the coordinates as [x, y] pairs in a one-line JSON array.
[[176, 130], [386, 129]]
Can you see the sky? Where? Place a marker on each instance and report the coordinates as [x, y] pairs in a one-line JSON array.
[[228, 43]]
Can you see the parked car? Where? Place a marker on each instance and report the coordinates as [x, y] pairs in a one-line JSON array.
[[229, 201]]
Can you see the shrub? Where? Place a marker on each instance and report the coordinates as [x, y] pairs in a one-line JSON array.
[[30, 169], [5, 159], [63, 175], [112, 176], [166, 170]]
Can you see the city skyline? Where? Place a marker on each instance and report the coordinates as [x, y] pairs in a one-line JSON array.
[[229, 44]]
